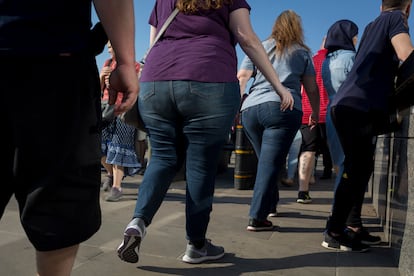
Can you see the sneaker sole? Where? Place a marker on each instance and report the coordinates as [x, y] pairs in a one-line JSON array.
[[304, 201], [113, 199], [127, 252], [342, 248], [371, 242], [190, 260], [257, 229]]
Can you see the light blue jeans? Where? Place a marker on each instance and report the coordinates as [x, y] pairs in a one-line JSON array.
[[185, 120], [293, 155], [271, 133]]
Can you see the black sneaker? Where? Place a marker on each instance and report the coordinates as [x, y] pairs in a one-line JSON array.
[[304, 198], [272, 213], [344, 242], [255, 225], [367, 238]]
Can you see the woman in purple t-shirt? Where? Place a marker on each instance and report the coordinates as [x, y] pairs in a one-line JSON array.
[[188, 100]]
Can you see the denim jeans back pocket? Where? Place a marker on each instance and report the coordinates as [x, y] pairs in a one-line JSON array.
[[207, 90], [147, 90]]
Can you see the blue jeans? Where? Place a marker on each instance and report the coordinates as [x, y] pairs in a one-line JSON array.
[[271, 133], [293, 155], [185, 120]]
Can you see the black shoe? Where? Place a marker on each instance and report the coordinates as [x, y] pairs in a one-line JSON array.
[[304, 198], [255, 225], [345, 242], [367, 238]]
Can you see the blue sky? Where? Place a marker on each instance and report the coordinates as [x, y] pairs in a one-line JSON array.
[[317, 16]]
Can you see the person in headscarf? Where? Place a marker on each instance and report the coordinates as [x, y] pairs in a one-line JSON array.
[[340, 44]]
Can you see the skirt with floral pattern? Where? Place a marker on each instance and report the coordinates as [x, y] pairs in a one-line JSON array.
[[118, 145]]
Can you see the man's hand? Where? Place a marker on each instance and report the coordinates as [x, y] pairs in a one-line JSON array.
[[123, 80]]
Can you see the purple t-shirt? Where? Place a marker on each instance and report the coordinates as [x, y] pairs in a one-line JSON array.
[[198, 47]]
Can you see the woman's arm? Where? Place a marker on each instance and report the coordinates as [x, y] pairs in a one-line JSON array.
[[312, 91], [241, 28], [244, 75]]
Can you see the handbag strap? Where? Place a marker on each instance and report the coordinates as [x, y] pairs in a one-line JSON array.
[[161, 32]]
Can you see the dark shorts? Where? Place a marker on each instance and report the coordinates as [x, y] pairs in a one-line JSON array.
[[51, 118], [311, 138]]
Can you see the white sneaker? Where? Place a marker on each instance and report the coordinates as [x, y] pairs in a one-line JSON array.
[[135, 231]]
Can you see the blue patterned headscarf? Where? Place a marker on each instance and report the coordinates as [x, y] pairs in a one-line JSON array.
[[340, 36]]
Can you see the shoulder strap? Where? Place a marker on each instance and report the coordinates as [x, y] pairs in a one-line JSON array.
[[161, 32]]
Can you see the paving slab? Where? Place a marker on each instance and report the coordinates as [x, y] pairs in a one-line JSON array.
[[293, 248]]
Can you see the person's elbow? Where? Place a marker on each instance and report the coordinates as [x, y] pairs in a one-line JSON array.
[[247, 41], [243, 75], [402, 45]]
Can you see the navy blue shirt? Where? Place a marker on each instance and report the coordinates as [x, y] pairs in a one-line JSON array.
[[38, 27], [371, 79]]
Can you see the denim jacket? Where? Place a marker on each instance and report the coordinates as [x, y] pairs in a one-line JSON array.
[[335, 69]]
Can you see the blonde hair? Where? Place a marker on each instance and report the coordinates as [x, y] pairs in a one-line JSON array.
[[192, 6], [287, 32]]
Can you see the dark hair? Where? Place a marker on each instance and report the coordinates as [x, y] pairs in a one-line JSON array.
[[395, 4], [340, 36]]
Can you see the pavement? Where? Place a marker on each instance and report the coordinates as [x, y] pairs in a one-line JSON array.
[[293, 248]]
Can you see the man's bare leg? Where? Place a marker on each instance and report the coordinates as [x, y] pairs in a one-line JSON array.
[[56, 262], [306, 167]]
